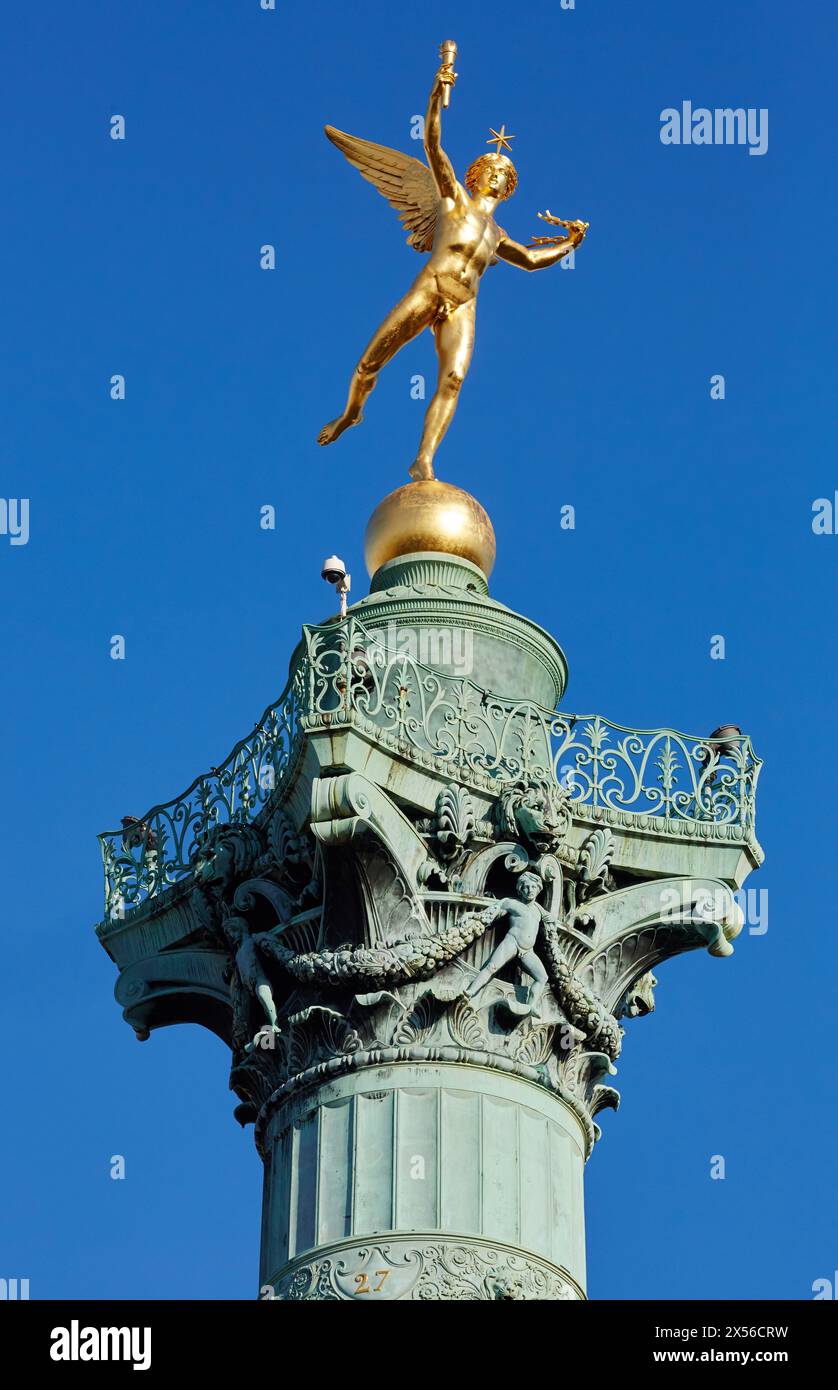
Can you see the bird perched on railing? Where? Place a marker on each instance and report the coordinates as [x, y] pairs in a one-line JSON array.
[[137, 834], [724, 740]]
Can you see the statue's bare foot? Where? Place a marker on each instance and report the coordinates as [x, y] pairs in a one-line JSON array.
[[335, 428], [422, 469]]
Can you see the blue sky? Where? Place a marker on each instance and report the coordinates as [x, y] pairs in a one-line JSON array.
[[589, 387]]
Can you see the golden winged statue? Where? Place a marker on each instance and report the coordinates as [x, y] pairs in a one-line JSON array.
[[456, 224]]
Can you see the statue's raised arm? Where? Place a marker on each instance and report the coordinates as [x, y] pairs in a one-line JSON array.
[[440, 165]]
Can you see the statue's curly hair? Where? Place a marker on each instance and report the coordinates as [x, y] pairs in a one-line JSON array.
[[474, 171], [536, 878]]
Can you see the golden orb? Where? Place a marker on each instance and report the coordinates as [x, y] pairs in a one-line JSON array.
[[429, 515]]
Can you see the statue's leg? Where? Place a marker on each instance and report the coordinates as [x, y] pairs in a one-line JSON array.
[[454, 345], [265, 995], [410, 316], [534, 967], [501, 954]]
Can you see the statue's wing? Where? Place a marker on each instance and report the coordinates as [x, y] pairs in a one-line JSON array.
[[406, 183]]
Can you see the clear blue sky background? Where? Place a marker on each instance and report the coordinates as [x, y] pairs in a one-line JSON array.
[[589, 387]]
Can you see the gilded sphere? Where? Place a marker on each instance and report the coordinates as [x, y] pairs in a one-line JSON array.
[[429, 515]]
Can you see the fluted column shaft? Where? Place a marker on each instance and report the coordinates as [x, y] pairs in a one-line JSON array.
[[423, 1181]]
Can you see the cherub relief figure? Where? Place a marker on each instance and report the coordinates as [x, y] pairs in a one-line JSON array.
[[455, 222], [525, 918], [250, 972]]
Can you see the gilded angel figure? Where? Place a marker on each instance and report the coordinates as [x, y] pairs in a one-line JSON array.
[[456, 223]]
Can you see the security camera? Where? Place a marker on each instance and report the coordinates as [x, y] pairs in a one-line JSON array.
[[334, 570]]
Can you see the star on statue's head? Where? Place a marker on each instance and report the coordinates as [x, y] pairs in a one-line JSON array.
[[500, 139]]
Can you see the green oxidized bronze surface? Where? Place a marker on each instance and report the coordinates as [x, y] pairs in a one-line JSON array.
[[420, 910], [363, 674]]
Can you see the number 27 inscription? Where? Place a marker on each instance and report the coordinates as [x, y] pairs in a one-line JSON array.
[[363, 1282]]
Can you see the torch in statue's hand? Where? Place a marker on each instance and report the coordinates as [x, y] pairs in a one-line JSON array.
[[446, 75]]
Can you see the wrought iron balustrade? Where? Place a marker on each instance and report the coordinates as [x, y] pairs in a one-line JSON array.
[[349, 676], [150, 854], [356, 677]]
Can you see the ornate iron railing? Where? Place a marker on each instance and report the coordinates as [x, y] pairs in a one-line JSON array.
[[656, 772], [148, 855], [348, 676]]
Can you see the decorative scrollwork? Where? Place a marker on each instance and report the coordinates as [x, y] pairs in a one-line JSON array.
[[232, 793], [656, 773], [681, 784]]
